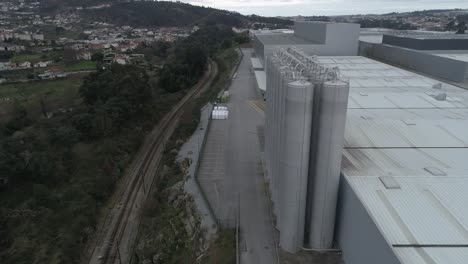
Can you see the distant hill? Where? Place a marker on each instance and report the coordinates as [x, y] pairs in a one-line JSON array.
[[161, 13]]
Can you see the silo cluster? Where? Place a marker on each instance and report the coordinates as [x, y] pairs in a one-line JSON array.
[[304, 137]]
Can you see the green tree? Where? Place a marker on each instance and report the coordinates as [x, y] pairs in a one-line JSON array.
[[461, 27], [97, 57]]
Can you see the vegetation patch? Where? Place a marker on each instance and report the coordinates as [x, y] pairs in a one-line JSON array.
[[24, 91], [33, 58], [81, 66]]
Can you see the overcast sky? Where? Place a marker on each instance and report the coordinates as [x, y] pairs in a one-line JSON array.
[[327, 7]]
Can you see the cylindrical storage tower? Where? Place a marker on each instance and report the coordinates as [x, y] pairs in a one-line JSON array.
[[268, 116], [294, 164], [282, 84], [326, 166]]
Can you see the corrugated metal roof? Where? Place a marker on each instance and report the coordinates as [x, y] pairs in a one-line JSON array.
[[401, 99], [398, 130], [437, 255], [423, 212], [404, 133], [376, 162]]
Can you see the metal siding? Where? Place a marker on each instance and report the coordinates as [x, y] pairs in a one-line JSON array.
[[359, 239]]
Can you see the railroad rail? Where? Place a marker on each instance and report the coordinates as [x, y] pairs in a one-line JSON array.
[[119, 231]]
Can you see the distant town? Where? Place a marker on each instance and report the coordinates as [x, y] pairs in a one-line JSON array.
[[37, 46]]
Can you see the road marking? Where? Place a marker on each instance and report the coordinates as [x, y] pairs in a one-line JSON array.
[[217, 194], [255, 106]]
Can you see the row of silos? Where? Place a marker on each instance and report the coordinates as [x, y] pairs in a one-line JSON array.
[[304, 136]]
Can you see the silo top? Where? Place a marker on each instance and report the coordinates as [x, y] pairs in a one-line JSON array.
[[299, 84], [337, 83]]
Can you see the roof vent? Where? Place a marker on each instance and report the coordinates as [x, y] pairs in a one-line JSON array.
[[435, 171], [440, 97], [409, 122], [389, 182], [437, 86]]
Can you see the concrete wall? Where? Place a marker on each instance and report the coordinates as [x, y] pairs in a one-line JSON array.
[[312, 31], [426, 44], [446, 68], [343, 38], [259, 49], [356, 233]]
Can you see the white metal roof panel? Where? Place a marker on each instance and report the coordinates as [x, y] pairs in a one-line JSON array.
[[256, 64], [460, 57], [406, 215], [405, 114], [260, 76], [375, 162], [401, 100], [434, 255], [387, 133]]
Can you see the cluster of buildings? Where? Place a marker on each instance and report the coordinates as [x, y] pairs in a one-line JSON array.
[[436, 20], [18, 5], [24, 30], [363, 156]]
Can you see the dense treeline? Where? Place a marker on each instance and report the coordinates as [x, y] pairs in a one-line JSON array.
[[159, 13], [57, 172], [190, 57], [271, 20], [166, 13]]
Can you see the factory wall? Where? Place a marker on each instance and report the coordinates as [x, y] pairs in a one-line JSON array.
[[259, 49], [446, 68], [313, 31], [343, 38], [359, 239], [426, 44]]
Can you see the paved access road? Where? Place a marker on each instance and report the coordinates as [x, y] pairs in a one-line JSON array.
[[231, 173]]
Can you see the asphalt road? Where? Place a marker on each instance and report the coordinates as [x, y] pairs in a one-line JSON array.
[[231, 173]]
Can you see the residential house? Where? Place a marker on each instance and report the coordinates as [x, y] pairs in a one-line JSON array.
[[25, 64]]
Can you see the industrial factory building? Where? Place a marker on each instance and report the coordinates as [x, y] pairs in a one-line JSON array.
[[366, 157], [319, 38], [446, 41], [404, 170], [441, 55]]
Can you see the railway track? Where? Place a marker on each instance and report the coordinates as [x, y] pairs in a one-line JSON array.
[[115, 241]]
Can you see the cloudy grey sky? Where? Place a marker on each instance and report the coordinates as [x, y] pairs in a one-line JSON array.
[[327, 7]]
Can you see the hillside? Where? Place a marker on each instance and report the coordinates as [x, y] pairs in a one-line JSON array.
[[160, 13]]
